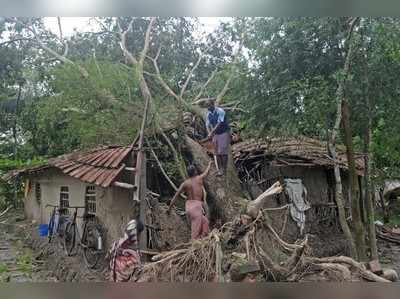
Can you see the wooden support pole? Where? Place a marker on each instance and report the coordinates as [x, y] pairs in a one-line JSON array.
[[140, 194], [124, 185]]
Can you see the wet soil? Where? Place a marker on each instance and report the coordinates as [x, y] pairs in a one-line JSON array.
[[389, 255], [17, 261], [26, 257]]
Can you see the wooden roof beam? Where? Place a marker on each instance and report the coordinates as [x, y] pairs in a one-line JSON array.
[[124, 185]]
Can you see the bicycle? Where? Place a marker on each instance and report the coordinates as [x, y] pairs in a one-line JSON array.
[[55, 221], [92, 239]]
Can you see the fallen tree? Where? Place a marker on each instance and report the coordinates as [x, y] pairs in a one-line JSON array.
[[239, 239], [211, 258], [251, 239]]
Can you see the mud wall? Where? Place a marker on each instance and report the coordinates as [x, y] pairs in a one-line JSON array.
[[322, 219], [114, 207]]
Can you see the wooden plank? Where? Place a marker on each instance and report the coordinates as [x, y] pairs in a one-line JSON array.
[[124, 185], [142, 196]]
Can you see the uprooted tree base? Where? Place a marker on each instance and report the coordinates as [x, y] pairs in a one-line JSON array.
[[210, 259]]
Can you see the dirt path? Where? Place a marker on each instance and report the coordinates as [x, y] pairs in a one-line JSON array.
[[17, 261], [389, 255], [25, 257]]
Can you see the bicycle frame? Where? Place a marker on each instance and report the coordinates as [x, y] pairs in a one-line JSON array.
[[85, 217], [53, 230], [74, 218], [85, 241]]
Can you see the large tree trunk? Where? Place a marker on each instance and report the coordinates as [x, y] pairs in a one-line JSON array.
[[369, 200], [339, 202], [225, 196], [353, 183], [332, 143]]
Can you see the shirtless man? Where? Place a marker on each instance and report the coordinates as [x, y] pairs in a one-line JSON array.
[[193, 187]]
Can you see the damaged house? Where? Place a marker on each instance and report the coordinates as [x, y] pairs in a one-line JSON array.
[[99, 180], [261, 163]]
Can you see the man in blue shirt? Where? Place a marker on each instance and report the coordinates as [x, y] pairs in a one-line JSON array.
[[220, 132]]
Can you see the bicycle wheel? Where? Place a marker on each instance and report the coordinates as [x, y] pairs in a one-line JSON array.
[[69, 239], [51, 228], [93, 245]]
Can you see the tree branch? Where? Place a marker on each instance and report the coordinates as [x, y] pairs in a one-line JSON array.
[[62, 58], [122, 33], [228, 81], [146, 42], [183, 89], [160, 78], [59, 28], [15, 40], [203, 87]]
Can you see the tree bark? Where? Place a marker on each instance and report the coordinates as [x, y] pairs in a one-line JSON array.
[[332, 145], [353, 184], [226, 198], [339, 202], [369, 200]]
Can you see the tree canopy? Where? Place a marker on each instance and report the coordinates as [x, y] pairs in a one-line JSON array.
[[59, 93]]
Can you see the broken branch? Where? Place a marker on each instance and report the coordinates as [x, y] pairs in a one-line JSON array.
[[254, 207]]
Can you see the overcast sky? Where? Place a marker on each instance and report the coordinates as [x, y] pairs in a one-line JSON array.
[[83, 24]]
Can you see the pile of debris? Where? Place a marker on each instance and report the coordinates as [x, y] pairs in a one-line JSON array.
[[388, 234], [250, 239], [212, 258]]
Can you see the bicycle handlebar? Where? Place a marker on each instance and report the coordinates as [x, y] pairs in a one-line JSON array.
[[53, 206], [70, 207], [75, 207]]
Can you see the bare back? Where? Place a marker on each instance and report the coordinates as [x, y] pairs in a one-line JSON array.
[[193, 187]]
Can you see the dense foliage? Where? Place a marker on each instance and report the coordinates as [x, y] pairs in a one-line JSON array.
[[285, 78]]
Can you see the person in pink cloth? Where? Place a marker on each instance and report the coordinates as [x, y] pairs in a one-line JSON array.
[[193, 188]]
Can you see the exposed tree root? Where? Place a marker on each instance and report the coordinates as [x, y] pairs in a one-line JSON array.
[[5, 211], [211, 258]]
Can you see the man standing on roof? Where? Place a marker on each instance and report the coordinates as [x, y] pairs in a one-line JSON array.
[[220, 132], [193, 187]]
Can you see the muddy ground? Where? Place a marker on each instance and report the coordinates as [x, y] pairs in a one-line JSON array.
[[25, 257], [389, 255], [18, 262]]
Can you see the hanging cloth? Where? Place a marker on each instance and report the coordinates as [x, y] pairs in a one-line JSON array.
[[297, 194]]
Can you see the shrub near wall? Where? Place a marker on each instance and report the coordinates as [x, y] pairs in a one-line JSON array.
[[7, 196]]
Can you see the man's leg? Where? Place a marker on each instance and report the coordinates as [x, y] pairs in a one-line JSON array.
[[204, 227], [224, 159], [194, 210], [224, 150], [220, 165]]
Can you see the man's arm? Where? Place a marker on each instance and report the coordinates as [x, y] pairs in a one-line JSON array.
[[221, 118], [212, 132], [208, 124], [176, 196], [205, 173]]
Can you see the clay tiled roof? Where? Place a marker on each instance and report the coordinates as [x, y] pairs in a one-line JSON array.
[[99, 166], [26, 170], [301, 151]]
